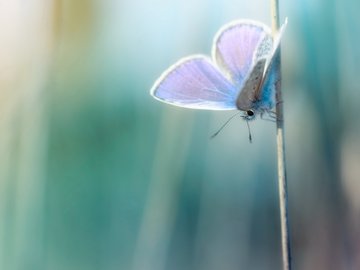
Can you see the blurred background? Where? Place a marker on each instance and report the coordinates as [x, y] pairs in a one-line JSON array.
[[95, 174]]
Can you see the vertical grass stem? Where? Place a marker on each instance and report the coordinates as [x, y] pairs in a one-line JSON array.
[[283, 194]]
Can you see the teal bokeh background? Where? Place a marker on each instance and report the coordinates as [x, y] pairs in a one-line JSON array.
[[95, 174]]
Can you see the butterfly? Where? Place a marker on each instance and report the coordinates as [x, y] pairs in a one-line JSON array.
[[241, 74]]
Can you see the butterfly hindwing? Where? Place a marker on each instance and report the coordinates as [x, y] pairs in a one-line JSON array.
[[194, 82], [266, 92]]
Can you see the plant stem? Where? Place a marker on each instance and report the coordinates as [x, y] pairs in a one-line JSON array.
[[283, 194]]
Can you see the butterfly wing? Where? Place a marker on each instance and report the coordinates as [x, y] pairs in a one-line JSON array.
[[194, 82], [238, 46], [266, 92], [247, 96], [277, 40]]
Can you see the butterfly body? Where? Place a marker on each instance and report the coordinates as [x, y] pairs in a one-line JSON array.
[[240, 75]]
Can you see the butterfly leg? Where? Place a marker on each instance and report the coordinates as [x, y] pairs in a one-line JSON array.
[[270, 119], [271, 114]]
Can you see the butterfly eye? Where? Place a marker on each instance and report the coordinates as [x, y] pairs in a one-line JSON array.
[[250, 113]]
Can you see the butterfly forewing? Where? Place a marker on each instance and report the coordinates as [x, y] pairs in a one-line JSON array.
[[247, 96], [236, 48], [194, 82]]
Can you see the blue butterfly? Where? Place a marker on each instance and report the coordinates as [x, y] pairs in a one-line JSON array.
[[240, 76]]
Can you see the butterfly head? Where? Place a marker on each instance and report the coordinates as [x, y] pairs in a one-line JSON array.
[[249, 115]]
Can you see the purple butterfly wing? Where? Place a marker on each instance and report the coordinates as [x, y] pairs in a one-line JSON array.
[[194, 82], [238, 45]]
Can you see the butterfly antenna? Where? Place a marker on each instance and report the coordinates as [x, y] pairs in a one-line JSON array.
[[250, 137], [221, 128]]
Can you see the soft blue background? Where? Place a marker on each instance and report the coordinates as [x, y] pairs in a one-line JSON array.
[[95, 174]]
